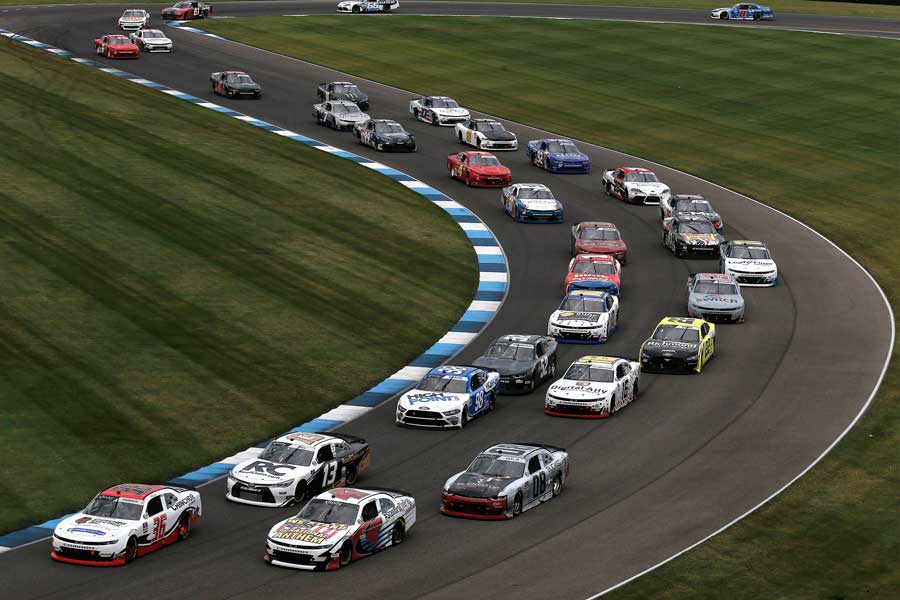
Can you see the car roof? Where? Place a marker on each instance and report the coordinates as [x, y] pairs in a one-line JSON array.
[[233, 73], [595, 258], [133, 491], [341, 83], [349, 495], [439, 97], [746, 243], [516, 451], [454, 371], [682, 321], [588, 293], [304, 438], [712, 277], [635, 170], [597, 225], [477, 153], [519, 339], [599, 360]]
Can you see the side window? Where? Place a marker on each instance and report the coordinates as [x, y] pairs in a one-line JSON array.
[[427, 102], [539, 349], [546, 459], [369, 511], [171, 499], [534, 465], [462, 157], [385, 505], [325, 454], [154, 506], [704, 330], [341, 448]]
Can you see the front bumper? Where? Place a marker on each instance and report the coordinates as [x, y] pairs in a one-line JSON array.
[[569, 167], [716, 316], [485, 509], [257, 495], [124, 54], [668, 364], [540, 216], [754, 279], [91, 555], [427, 419], [579, 410], [490, 181], [574, 335], [158, 48], [282, 555], [499, 145]]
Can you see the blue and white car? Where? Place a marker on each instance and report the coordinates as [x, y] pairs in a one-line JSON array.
[[531, 202], [363, 6], [746, 11], [448, 396], [585, 317], [558, 156]]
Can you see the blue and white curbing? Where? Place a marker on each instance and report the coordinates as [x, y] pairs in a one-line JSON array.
[[492, 287]]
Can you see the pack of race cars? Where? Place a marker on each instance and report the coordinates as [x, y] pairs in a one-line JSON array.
[[339, 523]]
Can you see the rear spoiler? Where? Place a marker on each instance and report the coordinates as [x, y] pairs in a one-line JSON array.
[[351, 439], [391, 491], [538, 445]]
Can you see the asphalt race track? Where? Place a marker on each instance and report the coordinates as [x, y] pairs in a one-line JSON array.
[[690, 455]]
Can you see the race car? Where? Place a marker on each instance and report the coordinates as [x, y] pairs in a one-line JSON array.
[[183, 11], [715, 297], [594, 267], [506, 480], [689, 203], [438, 110], [558, 156], [449, 396], [584, 317], [690, 233], [486, 134], [151, 40], [134, 19], [116, 46], [749, 262], [679, 344], [478, 169], [340, 526], [594, 387], [635, 185], [341, 115], [363, 6], [594, 237], [124, 522], [343, 90], [295, 465], [532, 202], [384, 135], [744, 11], [523, 362], [234, 84]]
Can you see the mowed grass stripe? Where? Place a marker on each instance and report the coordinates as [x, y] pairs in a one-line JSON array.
[[178, 286], [807, 123]]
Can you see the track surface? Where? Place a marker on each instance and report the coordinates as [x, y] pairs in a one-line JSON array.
[[691, 454]]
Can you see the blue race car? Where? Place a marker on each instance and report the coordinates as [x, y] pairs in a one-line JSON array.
[[585, 317], [448, 397], [558, 156], [743, 11], [532, 202]]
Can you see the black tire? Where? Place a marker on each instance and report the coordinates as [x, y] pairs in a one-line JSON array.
[[552, 369], [492, 402], [131, 550], [355, 9], [517, 505], [350, 474], [184, 527], [300, 493], [757, 16], [399, 533], [556, 486], [464, 416], [478, 143], [634, 392], [625, 198], [534, 382], [724, 16], [459, 135], [346, 554], [333, 125]]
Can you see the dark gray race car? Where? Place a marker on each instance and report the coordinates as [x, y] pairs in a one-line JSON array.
[[523, 361]]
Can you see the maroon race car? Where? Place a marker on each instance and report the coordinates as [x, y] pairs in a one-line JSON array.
[[116, 46], [478, 169], [592, 237], [190, 9]]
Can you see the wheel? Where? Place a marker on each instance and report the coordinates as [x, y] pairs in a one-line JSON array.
[[517, 505], [459, 135], [634, 392], [350, 474], [399, 533], [345, 555], [464, 417], [664, 240], [417, 114], [552, 369], [723, 16], [534, 378], [625, 198], [184, 527], [355, 9], [131, 550], [468, 177], [757, 16], [98, 50], [612, 405], [329, 122], [478, 143], [492, 401], [557, 485], [212, 88], [106, 54], [300, 493]]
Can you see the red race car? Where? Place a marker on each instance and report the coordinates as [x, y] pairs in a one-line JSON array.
[[116, 46], [594, 267], [191, 9], [478, 169], [592, 237]]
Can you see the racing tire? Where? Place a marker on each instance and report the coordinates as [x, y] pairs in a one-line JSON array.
[[184, 527], [634, 392], [757, 16], [517, 505], [131, 550], [300, 493], [492, 402], [534, 382], [345, 555], [552, 369], [350, 475], [399, 533], [355, 9], [464, 416], [478, 143], [724, 16], [556, 486], [99, 50], [468, 179], [459, 135], [625, 198], [329, 122]]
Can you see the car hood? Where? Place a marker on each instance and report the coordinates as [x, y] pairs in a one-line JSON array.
[[647, 187], [451, 112], [437, 401], [504, 366], [601, 245], [393, 137], [580, 390], [755, 266], [568, 156], [360, 118], [670, 348], [264, 472], [499, 136], [303, 533], [716, 300], [539, 204], [490, 170], [156, 41], [85, 528], [579, 319], [700, 239], [476, 485]]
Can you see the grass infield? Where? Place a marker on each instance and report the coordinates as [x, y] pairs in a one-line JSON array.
[[178, 286], [807, 123]]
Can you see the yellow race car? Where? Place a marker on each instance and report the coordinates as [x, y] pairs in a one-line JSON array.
[[679, 344]]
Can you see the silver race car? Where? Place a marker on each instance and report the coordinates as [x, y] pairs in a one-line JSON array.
[[340, 115], [715, 297]]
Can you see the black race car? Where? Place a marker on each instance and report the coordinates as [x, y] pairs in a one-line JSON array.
[[691, 233], [523, 361], [233, 84], [690, 203], [343, 90], [385, 135]]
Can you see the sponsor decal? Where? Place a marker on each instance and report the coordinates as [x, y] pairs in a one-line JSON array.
[[430, 397], [268, 469], [85, 530], [98, 521], [310, 532], [658, 344], [304, 438], [573, 316], [186, 501]]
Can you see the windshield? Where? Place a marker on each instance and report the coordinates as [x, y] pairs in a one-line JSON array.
[[594, 267], [755, 252], [113, 506], [490, 127], [493, 467], [535, 193], [239, 79], [444, 103], [443, 383], [695, 227], [511, 351], [713, 287], [484, 161], [641, 177], [693, 206], [563, 148], [344, 109], [279, 452], [592, 233], [586, 372], [347, 90], [134, 14], [152, 33], [584, 304], [118, 40], [676, 333], [329, 511], [388, 128]]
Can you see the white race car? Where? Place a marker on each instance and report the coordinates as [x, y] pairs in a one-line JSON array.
[[635, 185], [125, 522], [449, 396], [585, 317], [297, 464], [340, 115], [486, 134], [340, 526], [438, 110], [531, 202], [749, 262], [594, 387], [134, 19], [368, 6], [151, 40]]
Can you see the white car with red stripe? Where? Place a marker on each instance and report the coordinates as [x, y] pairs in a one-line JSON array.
[[125, 522], [340, 526]]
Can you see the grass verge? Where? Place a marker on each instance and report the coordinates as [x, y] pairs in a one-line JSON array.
[[177, 286], [807, 123]]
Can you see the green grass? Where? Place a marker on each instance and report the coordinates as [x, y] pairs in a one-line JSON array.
[[177, 285], [807, 123]]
